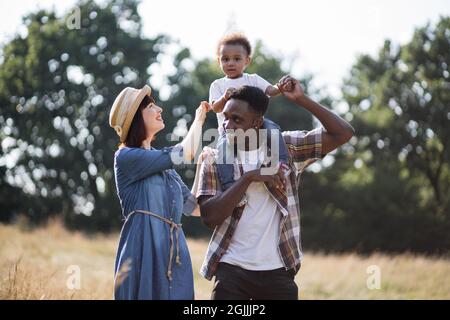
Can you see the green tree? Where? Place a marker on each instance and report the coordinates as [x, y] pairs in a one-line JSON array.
[[57, 84], [389, 188]]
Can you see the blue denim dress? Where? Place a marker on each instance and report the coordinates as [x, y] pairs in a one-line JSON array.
[[146, 180]]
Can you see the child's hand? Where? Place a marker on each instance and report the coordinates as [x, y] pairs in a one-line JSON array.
[[289, 86], [228, 93], [297, 91], [286, 84]]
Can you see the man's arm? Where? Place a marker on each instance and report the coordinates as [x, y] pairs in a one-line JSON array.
[[192, 140], [215, 209], [337, 130]]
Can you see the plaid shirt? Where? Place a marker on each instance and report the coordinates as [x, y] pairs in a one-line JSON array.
[[304, 148]]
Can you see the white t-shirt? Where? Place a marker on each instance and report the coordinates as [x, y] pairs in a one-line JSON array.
[[254, 245], [220, 86]]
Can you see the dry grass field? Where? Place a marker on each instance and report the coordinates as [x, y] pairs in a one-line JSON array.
[[36, 264]]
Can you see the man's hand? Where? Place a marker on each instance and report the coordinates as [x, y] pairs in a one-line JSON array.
[[296, 93], [276, 180], [336, 131], [285, 84]]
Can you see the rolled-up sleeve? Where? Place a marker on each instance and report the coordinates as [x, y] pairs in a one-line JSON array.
[[304, 147], [208, 184]]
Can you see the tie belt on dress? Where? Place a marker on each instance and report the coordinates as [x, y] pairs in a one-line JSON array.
[[173, 227]]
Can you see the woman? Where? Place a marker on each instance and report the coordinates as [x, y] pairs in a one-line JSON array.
[[152, 260]]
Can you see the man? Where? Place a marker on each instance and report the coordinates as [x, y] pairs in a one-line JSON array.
[[255, 250]]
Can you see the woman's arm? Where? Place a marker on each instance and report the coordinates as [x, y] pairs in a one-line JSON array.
[[192, 141], [139, 163]]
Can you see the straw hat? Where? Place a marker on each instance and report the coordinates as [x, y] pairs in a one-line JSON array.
[[124, 109]]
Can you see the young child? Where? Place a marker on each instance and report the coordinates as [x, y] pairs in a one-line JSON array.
[[233, 56]]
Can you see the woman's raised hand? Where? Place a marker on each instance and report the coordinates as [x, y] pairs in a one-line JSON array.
[[202, 110]]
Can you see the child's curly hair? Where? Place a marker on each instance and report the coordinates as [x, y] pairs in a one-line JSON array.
[[235, 38]]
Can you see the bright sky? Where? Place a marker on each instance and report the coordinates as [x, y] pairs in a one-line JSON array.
[[324, 35]]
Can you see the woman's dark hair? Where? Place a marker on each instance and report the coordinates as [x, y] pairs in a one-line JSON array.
[[136, 133], [254, 96]]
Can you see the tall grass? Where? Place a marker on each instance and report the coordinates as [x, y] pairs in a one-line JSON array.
[[39, 263]]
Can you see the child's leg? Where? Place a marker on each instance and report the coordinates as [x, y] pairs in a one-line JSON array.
[[282, 149], [225, 168]]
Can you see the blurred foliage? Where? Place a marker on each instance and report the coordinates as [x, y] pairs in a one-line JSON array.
[[388, 189], [56, 87]]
